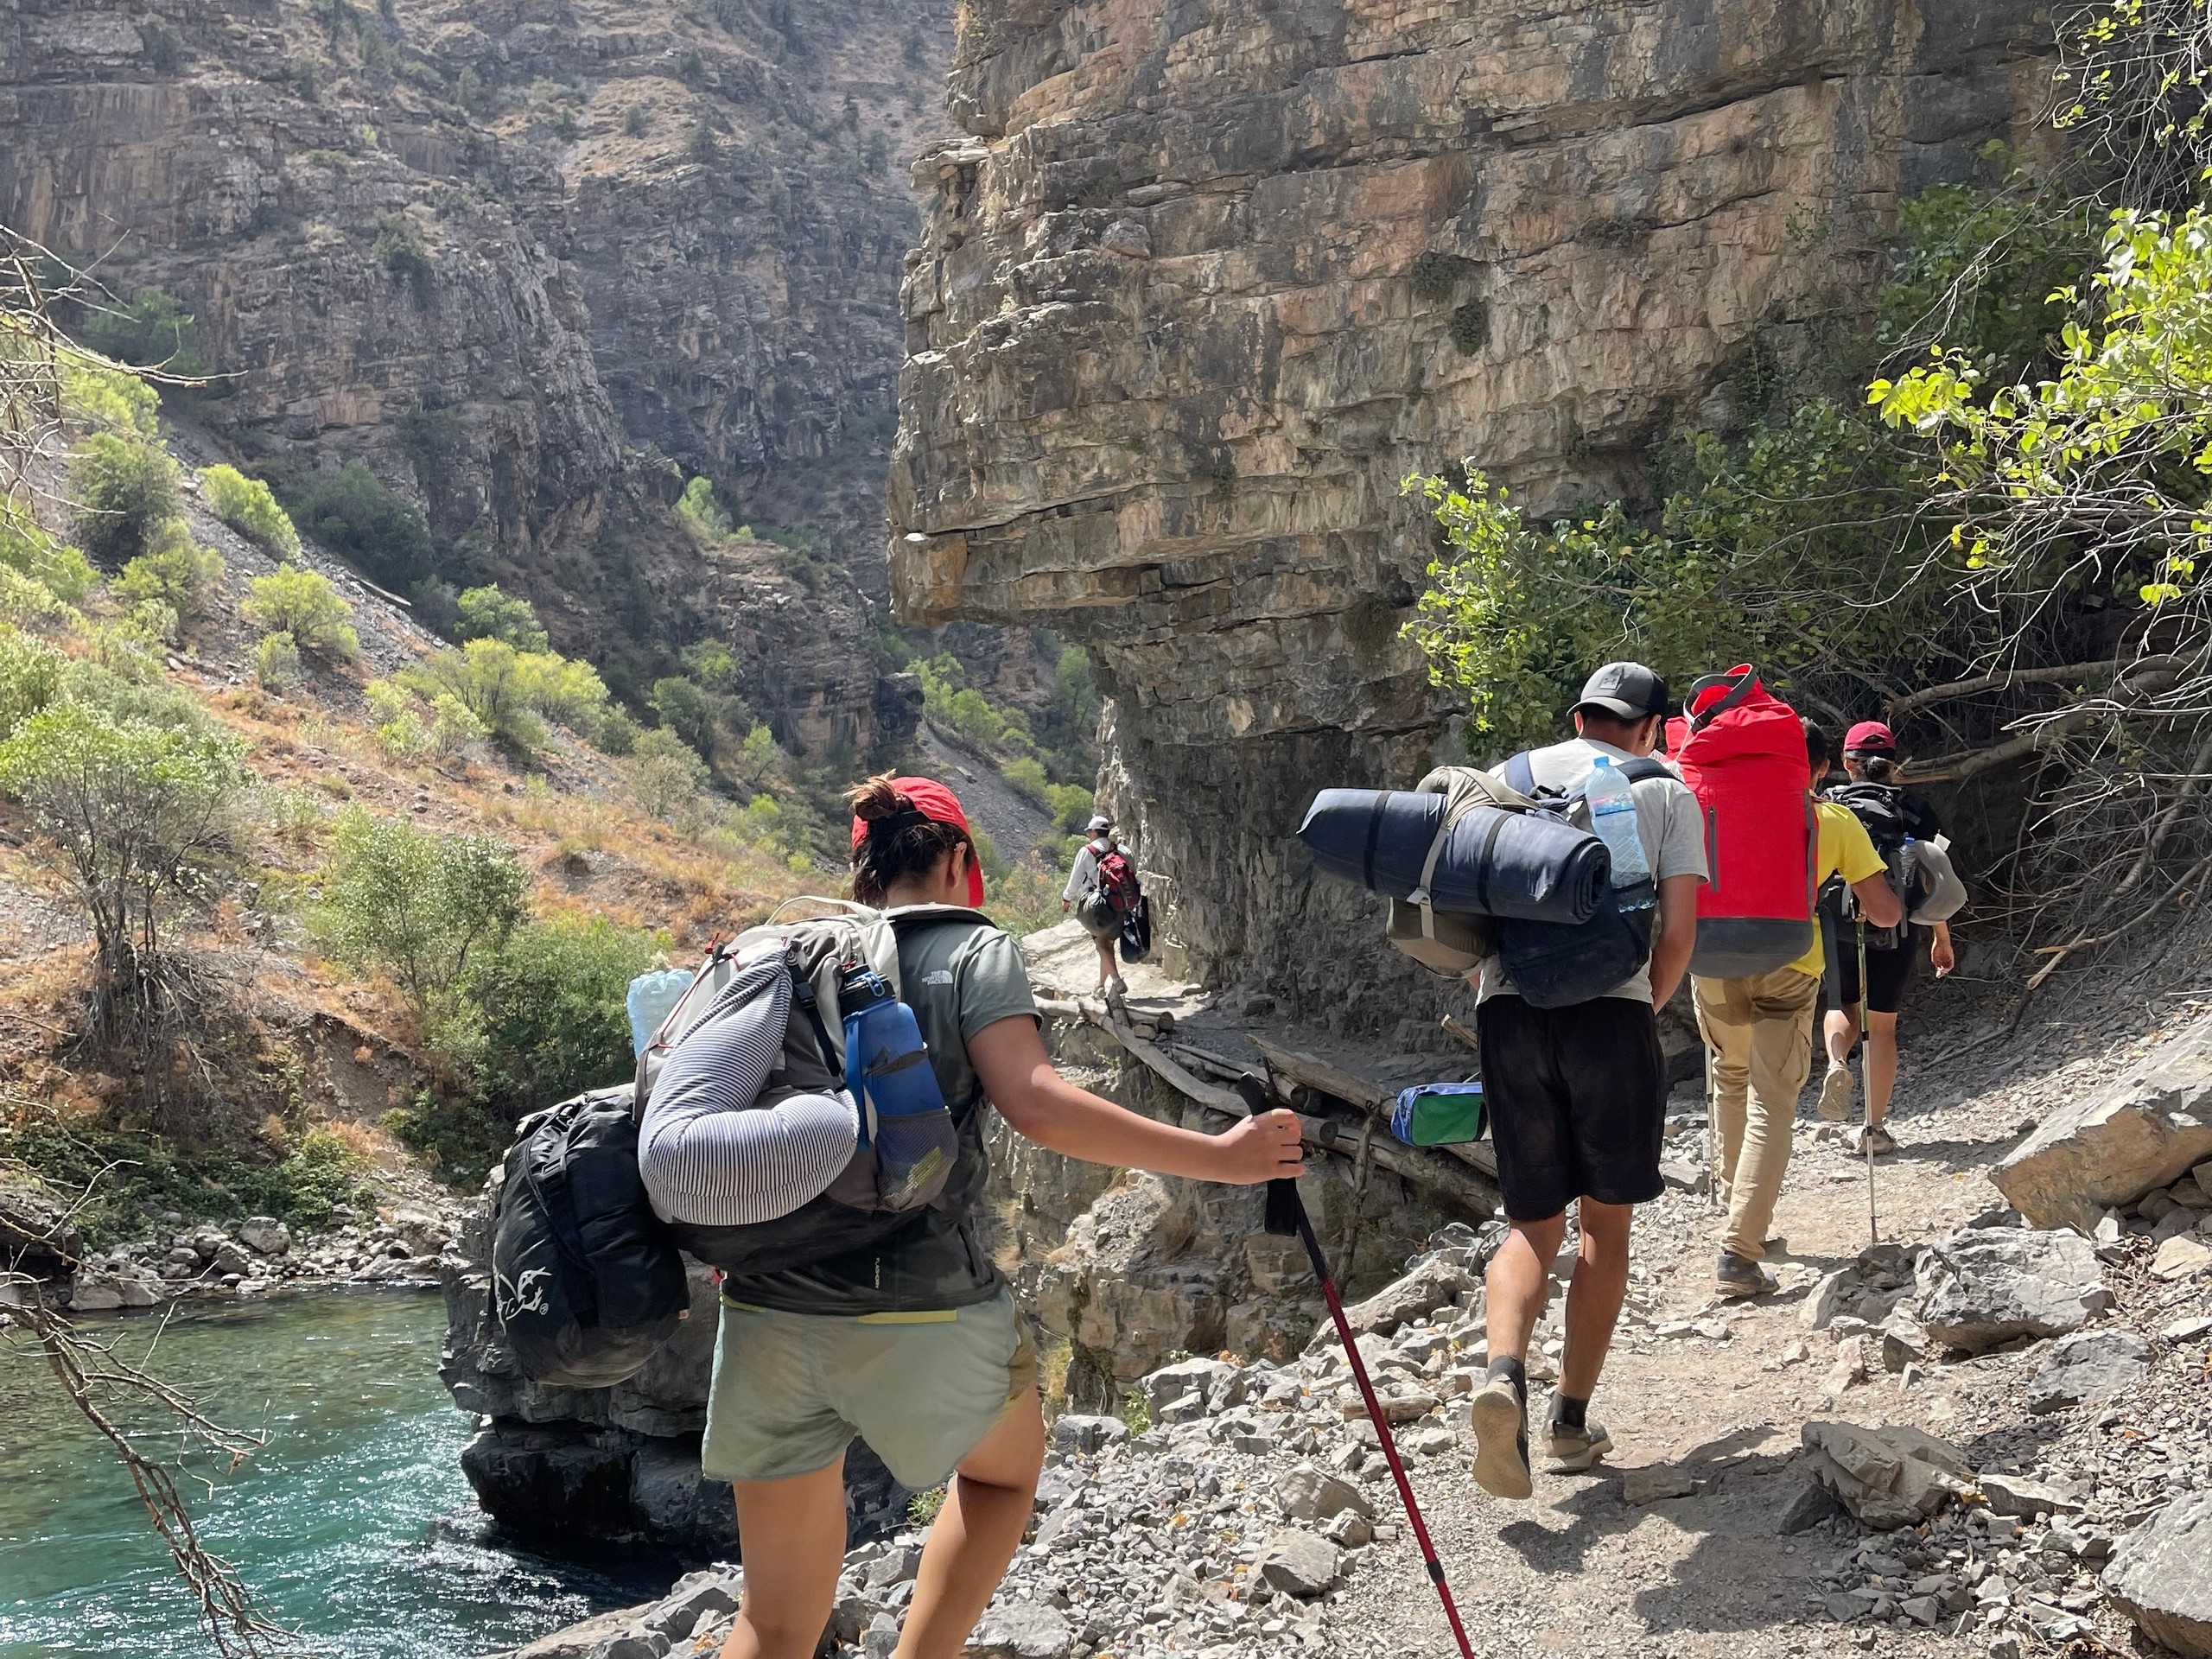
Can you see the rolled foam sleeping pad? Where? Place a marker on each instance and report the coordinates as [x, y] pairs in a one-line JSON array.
[[1520, 865]]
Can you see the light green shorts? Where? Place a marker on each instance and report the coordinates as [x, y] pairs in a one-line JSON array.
[[790, 1390]]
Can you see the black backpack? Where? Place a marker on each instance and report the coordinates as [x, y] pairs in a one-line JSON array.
[[1559, 964], [586, 1283], [1882, 810]]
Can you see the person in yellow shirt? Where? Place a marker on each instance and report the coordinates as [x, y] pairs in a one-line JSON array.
[[1758, 1039]]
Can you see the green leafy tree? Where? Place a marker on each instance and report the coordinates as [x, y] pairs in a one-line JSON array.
[[125, 489], [60, 569], [153, 332], [687, 709], [512, 693], [488, 613], [249, 506], [142, 800], [303, 604], [417, 905], [547, 1013], [667, 773], [355, 514]]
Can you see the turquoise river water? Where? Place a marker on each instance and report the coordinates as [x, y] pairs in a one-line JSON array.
[[354, 1523]]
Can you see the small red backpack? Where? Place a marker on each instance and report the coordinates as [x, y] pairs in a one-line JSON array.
[[1117, 880], [1741, 750]]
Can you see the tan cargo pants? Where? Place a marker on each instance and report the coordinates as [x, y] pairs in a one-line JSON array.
[[1759, 1040]]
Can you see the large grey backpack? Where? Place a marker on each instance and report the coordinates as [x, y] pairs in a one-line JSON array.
[[755, 1153]]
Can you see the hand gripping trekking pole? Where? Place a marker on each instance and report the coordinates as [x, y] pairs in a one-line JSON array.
[[1286, 1215]]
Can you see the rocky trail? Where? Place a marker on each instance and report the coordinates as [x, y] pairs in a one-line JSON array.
[[1975, 1436]]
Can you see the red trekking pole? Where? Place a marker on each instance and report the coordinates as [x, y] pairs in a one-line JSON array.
[[1285, 1215]]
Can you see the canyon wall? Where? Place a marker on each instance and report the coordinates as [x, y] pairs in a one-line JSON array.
[[1203, 283], [534, 265]]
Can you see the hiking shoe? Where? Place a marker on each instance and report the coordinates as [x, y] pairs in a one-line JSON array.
[[1835, 1094], [1571, 1450], [1737, 1278], [1500, 1422], [1875, 1139]]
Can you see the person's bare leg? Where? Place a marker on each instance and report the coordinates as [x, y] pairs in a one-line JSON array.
[[975, 1534], [794, 1542], [1842, 1026], [1518, 1285], [1594, 1294], [1105, 949], [1881, 1065]]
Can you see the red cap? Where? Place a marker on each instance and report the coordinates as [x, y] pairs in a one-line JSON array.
[[1871, 736], [940, 806]]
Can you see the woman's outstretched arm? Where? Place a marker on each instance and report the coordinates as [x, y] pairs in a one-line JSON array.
[[1045, 1107]]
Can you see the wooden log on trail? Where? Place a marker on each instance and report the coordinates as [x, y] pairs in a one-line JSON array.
[[1440, 1178], [1312, 1072]]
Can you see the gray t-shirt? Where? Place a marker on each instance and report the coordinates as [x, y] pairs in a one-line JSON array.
[[957, 977], [1667, 820]]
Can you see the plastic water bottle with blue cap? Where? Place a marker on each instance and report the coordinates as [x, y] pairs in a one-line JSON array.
[[1613, 814]]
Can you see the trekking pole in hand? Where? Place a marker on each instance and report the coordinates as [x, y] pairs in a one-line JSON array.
[[1287, 1215], [1866, 1136]]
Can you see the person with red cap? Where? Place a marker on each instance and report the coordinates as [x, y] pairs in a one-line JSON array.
[[1892, 816], [915, 1344]]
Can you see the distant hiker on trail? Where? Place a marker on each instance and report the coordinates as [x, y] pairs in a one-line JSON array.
[[1895, 819], [1758, 1039], [915, 1342], [1103, 888], [1576, 1093]]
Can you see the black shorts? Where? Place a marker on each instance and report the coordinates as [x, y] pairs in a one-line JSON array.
[[1886, 972], [1577, 1100]]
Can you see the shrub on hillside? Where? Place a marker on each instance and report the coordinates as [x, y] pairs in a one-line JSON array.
[[512, 693], [1073, 806], [276, 663], [304, 605], [667, 773], [1026, 773], [60, 568], [546, 1014], [30, 677], [124, 489], [249, 506], [176, 572], [143, 797], [488, 613], [416, 904], [352, 512], [412, 730]]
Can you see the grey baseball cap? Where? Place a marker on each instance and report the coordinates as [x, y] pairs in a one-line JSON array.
[[1628, 690]]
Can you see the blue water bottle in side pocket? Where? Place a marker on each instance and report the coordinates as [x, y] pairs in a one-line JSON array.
[[904, 1119]]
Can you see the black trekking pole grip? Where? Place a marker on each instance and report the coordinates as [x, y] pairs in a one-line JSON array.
[[1285, 1215]]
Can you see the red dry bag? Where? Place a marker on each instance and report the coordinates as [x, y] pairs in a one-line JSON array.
[[1742, 752]]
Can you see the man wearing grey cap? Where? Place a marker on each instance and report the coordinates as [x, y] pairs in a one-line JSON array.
[[1577, 1099]]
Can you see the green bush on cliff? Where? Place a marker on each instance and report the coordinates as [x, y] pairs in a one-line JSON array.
[[512, 693], [124, 489], [153, 332], [176, 572], [304, 606], [249, 506], [487, 612], [355, 514]]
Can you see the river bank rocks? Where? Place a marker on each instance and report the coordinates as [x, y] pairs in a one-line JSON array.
[[253, 1255]]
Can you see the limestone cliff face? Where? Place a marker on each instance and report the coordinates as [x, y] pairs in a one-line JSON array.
[[532, 262], [1204, 284]]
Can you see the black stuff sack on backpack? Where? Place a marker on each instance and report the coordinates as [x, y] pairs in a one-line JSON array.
[[1136, 931], [1882, 810], [586, 1283]]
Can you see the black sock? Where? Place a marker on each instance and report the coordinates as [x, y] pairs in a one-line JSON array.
[[1569, 1413], [1513, 1372]]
